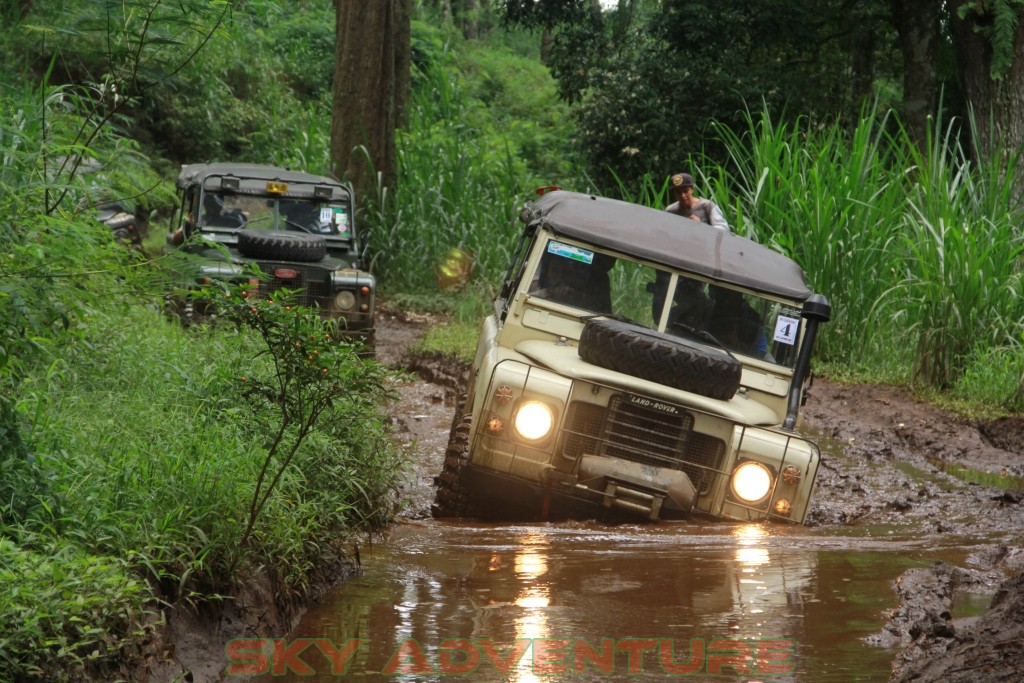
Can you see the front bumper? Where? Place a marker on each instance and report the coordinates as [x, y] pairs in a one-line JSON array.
[[503, 496]]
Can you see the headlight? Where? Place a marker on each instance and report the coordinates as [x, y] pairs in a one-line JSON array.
[[345, 300], [534, 420], [751, 481]]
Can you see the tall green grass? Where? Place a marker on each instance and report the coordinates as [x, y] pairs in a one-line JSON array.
[[961, 233], [918, 249]]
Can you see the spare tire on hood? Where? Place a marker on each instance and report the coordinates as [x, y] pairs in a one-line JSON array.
[[284, 246], [662, 358]]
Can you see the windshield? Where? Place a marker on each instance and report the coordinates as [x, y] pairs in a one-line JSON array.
[[741, 322], [265, 213]]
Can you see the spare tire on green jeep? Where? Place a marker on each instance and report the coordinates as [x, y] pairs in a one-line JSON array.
[[286, 246], [662, 358]]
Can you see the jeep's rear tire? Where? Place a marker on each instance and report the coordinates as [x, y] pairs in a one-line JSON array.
[[452, 497], [651, 355], [285, 246]]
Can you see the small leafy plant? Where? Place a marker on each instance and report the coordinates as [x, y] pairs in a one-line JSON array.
[[72, 611], [309, 369]]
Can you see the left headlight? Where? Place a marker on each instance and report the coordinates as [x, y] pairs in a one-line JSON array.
[[534, 420], [751, 481]]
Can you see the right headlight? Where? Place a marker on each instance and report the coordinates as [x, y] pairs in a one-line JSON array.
[[751, 481], [534, 420], [345, 300]]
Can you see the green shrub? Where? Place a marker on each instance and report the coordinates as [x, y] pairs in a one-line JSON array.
[[994, 377], [163, 464], [64, 613], [466, 163]]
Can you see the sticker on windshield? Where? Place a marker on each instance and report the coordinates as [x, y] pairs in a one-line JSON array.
[[335, 215], [571, 252], [786, 330]]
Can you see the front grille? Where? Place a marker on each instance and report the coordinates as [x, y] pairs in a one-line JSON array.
[[313, 292], [641, 434]]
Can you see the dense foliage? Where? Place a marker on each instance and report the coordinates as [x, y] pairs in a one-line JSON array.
[[144, 451], [485, 129], [140, 461]]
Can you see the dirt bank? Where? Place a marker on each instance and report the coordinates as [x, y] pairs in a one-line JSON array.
[[887, 462], [897, 455]]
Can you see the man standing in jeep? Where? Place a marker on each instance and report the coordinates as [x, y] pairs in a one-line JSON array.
[[699, 209]]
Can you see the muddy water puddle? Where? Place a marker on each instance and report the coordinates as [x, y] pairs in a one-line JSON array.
[[588, 602]]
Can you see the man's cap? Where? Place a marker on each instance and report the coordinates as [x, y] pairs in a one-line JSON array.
[[681, 181]]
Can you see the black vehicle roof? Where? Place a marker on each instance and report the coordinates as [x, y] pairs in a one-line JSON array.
[[670, 240], [193, 174]]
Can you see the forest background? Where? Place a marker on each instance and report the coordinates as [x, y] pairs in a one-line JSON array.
[[877, 143]]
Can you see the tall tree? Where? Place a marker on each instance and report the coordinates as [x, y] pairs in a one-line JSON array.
[[988, 37], [917, 24], [403, 61], [365, 106]]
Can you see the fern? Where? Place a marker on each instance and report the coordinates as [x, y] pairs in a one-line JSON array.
[[1004, 32], [1001, 32]]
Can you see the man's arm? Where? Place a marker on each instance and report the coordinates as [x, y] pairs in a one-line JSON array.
[[718, 218]]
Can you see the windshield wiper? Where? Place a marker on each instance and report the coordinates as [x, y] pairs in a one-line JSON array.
[[297, 225], [703, 334]]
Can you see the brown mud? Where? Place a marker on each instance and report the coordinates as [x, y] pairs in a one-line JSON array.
[[900, 455], [896, 457]]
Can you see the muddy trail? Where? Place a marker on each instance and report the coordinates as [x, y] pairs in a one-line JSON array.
[[889, 462]]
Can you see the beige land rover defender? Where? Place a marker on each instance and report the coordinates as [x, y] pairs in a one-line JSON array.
[[637, 365]]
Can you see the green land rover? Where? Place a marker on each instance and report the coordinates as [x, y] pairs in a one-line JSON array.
[[297, 228]]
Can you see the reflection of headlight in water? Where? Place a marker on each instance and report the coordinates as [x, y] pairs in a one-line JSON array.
[[528, 600], [749, 534], [532, 623], [531, 564], [751, 557]]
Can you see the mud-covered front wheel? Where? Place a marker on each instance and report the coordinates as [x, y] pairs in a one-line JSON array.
[[452, 497]]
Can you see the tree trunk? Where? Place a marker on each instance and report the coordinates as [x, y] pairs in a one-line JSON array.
[[917, 23], [403, 61], [468, 19], [547, 41], [997, 103], [364, 94], [862, 52]]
